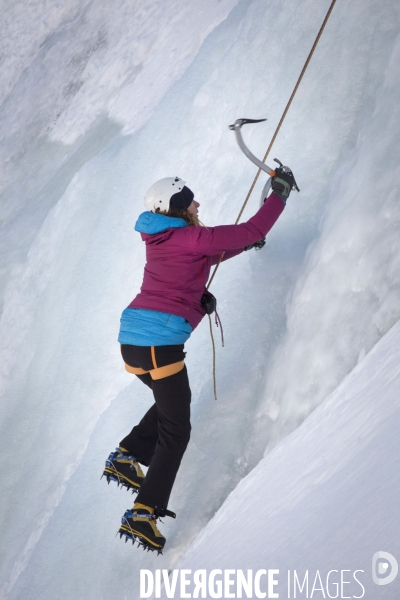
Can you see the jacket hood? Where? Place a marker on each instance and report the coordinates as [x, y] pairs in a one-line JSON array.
[[152, 223]]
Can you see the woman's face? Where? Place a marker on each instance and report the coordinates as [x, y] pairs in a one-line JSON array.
[[193, 209]]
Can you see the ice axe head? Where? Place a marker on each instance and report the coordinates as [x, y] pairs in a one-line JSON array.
[[239, 122]]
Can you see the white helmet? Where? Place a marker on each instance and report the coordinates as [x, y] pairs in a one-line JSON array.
[[159, 195]]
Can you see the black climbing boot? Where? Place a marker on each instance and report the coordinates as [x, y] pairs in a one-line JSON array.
[[140, 524], [124, 469]]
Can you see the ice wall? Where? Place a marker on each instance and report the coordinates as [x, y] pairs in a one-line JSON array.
[[315, 502], [73, 75], [73, 263], [347, 295]]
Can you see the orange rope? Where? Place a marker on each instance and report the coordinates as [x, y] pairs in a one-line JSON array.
[[214, 369], [279, 126]]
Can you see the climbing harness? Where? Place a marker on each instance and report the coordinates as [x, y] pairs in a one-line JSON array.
[[159, 372], [236, 127]]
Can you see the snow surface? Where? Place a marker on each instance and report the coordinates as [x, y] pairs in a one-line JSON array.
[[84, 133], [327, 497]]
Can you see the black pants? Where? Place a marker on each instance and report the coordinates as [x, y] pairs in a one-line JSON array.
[[160, 439]]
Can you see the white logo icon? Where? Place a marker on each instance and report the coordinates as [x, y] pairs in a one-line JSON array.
[[381, 561]]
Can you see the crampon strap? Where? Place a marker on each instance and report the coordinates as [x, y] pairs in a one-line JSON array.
[[155, 515], [163, 512]]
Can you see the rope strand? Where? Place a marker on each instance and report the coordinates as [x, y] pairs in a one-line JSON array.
[[304, 69], [214, 370]]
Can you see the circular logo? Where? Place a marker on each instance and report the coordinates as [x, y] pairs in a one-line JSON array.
[[384, 568]]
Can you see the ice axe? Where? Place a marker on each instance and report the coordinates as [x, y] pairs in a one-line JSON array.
[[236, 127]]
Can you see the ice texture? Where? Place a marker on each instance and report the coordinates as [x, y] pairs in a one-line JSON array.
[[297, 316], [347, 295], [326, 498]]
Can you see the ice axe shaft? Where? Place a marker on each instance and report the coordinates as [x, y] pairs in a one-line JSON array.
[[236, 128]]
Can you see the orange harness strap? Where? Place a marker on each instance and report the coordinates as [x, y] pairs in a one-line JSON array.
[[159, 372], [153, 357]]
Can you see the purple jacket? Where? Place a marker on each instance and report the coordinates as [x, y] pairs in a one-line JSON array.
[[179, 258]]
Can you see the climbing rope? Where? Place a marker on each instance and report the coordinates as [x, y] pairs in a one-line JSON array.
[[214, 369], [304, 69]]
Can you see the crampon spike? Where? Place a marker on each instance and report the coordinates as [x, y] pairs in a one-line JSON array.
[[140, 542]]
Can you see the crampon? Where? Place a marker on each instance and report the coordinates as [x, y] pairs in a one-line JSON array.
[[139, 524], [124, 469]]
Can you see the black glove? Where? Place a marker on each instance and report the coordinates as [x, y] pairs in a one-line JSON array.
[[257, 245], [283, 181]]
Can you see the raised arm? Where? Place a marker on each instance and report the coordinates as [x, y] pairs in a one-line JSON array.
[[210, 241], [226, 256]]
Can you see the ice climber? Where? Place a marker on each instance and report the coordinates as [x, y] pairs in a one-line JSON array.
[[154, 328]]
